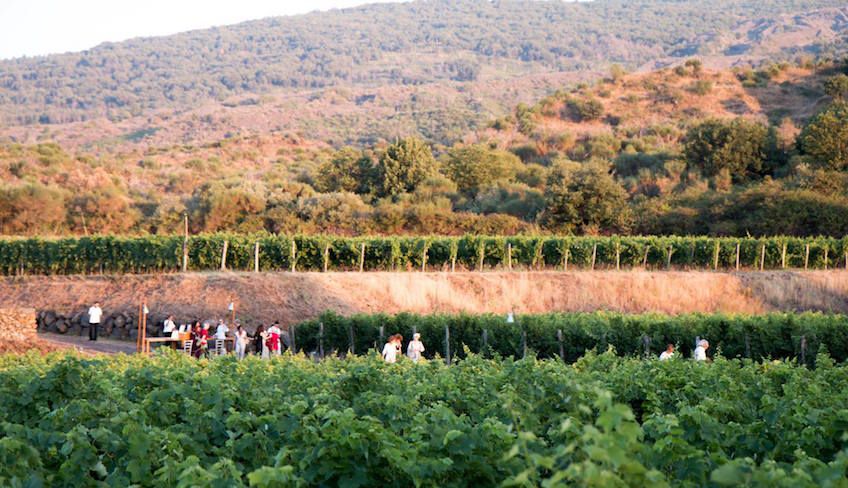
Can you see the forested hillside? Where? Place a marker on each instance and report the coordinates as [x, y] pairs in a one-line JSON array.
[[675, 151], [465, 46]]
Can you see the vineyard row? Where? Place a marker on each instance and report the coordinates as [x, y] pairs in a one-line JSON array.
[[265, 252]]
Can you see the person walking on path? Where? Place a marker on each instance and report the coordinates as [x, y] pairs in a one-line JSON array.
[[259, 340], [95, 313], [415, 348], [391, 349]]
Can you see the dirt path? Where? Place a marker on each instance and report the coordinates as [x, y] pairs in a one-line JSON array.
[[108, 346]]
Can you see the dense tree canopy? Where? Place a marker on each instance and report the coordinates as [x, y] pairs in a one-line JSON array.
[[738, 147], [404, 165], [825, 139]]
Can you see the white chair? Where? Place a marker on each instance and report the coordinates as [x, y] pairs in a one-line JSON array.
[[187, 345], [220, 347]]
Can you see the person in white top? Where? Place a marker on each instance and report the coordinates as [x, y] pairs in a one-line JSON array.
[[241, 341], [95, 313], [275, 330], [701, 351], [169, 326], [221, 331], [668, 353], [415, 348], [390, 350]]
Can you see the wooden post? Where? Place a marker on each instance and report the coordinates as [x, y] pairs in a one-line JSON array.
[[594, 254], [362, 257], [224, 256], [256, 257], [382, 335], [509, 256], [668, 257], [646, 343], [617, 257], [352, 339], [453, 264], [762, 257], [447, 345], [561, 347], [565, 260], [424, 260], [803, 349], [806, 256], [481, 255], [825, 257], [715, 255], [846, 261], [293, 340], [145, 347], [326, 257], [293, 256], [321, 340], [645, 258], [185, 244], [737, 256], [783, 257]]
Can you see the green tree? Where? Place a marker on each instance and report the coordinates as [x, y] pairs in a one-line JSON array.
[[837, 87], [825, 138], [477, 166], [585, 199], [738, 146], [349, 170], [404, 165]]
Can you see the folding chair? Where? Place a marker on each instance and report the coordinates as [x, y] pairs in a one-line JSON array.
[[220, 347], [187, 347]]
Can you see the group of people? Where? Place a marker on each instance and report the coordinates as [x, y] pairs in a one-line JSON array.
[[394, 346], [699, 355], [264, 341]]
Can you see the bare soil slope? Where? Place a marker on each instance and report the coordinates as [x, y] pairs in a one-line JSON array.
[[294, 297]]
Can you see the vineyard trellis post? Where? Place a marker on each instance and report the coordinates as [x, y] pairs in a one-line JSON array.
[[737, 255], [326, 257], [715, 255], [806, 256], [256, 257], [594, 254], [668, 257], [321, 340], [424, 258], [561, 347], [565, 259], [138, 330], [382, 335], [447, 345], [825, 257], [351, 337], [846, 261], [783, 257], [509, 256], [645, 257], [362, 257], [762, 257], [617, 256], [481, 255], [293, 256], [646, 343], [224, 256], [803, 349]]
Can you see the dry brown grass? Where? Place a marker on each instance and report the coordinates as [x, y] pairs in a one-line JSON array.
[[17, 328], [295, 297]]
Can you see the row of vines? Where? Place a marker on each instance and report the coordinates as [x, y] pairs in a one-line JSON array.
[[570, 335], [115, 254]]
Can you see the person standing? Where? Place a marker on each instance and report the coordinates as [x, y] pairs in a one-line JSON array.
[[668, 353], [390, 350], [415, 348], [273, 340], [701, 351], [259, 340], [168, 326], [95, 313], [240, 342]]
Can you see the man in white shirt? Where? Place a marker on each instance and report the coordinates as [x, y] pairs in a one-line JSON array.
[[169, 326], [668, 353], [95, 313], [701, 351]]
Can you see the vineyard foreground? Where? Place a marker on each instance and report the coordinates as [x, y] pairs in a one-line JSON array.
[[293, 297]]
